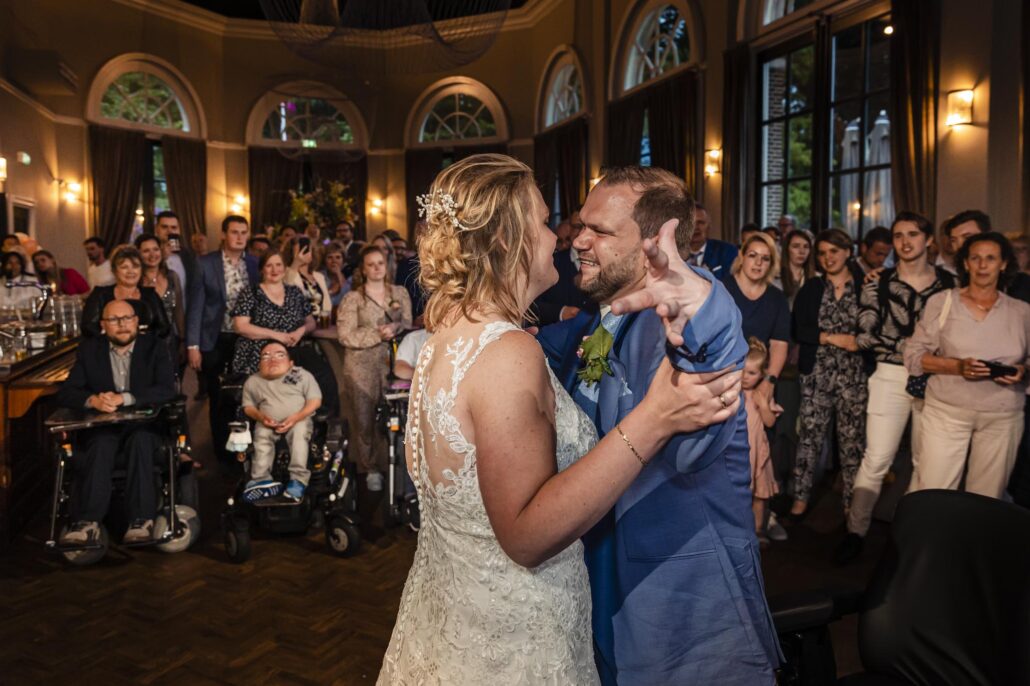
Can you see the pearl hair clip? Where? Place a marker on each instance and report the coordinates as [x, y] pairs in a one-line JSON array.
[[437, 203]]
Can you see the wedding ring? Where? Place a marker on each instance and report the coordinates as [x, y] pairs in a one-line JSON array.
[[722, 399]]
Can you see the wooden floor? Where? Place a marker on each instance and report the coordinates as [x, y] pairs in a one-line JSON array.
[[292, 614]]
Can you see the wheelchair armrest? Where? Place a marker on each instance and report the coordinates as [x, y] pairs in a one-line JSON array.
[[175, 409], [804, 610], [321, 415]]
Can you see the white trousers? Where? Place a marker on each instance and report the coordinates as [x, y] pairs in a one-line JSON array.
[[991, 440], [886, 416]]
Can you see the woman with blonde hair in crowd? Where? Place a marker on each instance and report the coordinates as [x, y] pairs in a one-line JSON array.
[[368, 319], [299, 258]]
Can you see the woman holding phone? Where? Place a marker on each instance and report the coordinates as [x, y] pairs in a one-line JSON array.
[[299, 257], [974, 342]]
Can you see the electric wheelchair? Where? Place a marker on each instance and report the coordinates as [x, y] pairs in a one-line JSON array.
[[177, 524], [328, 501], [400, 506]]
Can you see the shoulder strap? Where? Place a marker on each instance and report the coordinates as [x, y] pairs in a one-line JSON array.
[[945, 310]]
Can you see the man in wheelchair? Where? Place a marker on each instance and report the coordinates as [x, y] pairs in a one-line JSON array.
[[117, 370], [280, 398]]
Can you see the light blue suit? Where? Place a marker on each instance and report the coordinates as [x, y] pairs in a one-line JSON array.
[[674, 569]]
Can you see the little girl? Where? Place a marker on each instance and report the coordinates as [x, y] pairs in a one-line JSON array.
[[761, 413]]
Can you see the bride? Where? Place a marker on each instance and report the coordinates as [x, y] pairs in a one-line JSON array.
[[509, 471]]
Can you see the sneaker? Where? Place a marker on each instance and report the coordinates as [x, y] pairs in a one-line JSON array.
[[294, 491], [259, 490], [848, 550], [142, 530], [775, 530], [81, 533], [374, 481]]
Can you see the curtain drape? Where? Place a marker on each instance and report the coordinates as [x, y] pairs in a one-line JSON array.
[[625, 129], [328, 165], [1026, 119], [186, 171], [672, 126], [421, 165], [561, 155], [915, 85], [272, 177], [118, 158], [735, 109]]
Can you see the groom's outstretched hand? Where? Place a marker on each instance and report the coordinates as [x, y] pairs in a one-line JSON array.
[[670, 286]]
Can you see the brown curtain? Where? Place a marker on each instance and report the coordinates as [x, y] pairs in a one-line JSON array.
[[672, 126], [625, 129], [186, 170], [327, 165], [118, 158], [272, 177], [735, 109], [1026, 119], [562, 155], [915, 84]]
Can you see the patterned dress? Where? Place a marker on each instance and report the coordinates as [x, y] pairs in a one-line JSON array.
[[366, 362], [254, 303], [835, 389]]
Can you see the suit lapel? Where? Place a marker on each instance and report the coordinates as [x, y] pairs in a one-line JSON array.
[[220, 274], [104, 366], [138, 367], [612, 388]]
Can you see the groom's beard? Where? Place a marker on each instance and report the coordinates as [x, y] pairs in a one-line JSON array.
[[610, 279]]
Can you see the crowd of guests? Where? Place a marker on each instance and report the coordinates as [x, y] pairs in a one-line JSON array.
[[913, 332]]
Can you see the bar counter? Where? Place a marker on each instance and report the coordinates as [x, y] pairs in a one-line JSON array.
[[26, 466]]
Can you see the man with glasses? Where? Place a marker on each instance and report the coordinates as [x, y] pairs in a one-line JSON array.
[[115, 371], [280, 399]]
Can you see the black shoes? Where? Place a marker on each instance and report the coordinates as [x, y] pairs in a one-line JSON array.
[[849, 550]]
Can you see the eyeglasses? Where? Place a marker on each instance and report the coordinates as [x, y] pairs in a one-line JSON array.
[[124, 319], [280, 355], [762, 259]]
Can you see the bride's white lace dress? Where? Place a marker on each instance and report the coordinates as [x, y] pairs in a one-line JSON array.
[[469, 615]]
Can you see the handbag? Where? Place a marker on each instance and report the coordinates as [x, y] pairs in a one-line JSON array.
[[916, 384]]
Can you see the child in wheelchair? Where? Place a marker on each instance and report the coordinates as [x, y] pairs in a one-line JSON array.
[[281, 399]]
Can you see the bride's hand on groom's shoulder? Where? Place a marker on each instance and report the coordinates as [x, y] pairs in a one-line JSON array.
[[671, 287], [682, 402]]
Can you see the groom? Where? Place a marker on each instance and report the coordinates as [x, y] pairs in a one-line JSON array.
[[674, 568]]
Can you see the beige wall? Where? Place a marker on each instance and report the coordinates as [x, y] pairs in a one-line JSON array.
[[979, 165]]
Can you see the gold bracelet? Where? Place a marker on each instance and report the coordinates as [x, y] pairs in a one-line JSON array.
[[618, 427]]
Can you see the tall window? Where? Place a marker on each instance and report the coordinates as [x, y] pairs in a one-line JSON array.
[[457, 117], [140, 97], [824, 133], [661, 43], [312, 121], [153, 194], [564, 96], [776, 9]]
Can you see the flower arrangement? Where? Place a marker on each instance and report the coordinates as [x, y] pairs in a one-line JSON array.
[[327, 205]]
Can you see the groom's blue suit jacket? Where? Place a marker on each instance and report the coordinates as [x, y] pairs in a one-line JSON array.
[[674, 569]]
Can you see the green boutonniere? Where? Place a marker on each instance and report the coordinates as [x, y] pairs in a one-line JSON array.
[[593, 354]]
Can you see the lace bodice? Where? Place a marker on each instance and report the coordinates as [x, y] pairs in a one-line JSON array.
[[469, 614]]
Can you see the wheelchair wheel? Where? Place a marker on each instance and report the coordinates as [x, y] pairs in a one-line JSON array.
[[237, 543], [342, 537], [83, 558], [188, 519]]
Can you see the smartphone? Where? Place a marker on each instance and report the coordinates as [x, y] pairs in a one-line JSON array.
[[304, 243], [998, 369], [174, 242]]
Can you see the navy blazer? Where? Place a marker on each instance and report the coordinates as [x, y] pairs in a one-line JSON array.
[[719, 256], [675, 577], [151, 373], [206, 299], [548, 306]]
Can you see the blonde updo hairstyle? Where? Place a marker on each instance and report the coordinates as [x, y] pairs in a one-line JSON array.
[[484, 263]]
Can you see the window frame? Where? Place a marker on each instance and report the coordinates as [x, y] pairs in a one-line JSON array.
[[561, 58], [819, 33], [268, 101], [447, 87], [631, 26]]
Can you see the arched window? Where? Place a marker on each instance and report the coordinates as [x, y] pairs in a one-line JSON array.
[[777, 9], [457, 110], [143, 98], [306, 114], [563, 96], [660, 42], [144, 92]]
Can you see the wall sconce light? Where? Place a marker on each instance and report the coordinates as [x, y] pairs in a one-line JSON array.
[[72, 192], [960, 108], [377, 207], [888, 30], [713, 161], [594, 181], [238, 203], [3, 169]]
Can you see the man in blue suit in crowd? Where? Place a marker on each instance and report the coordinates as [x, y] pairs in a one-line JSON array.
[[210, 340], [714, 255], [674, 568]]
